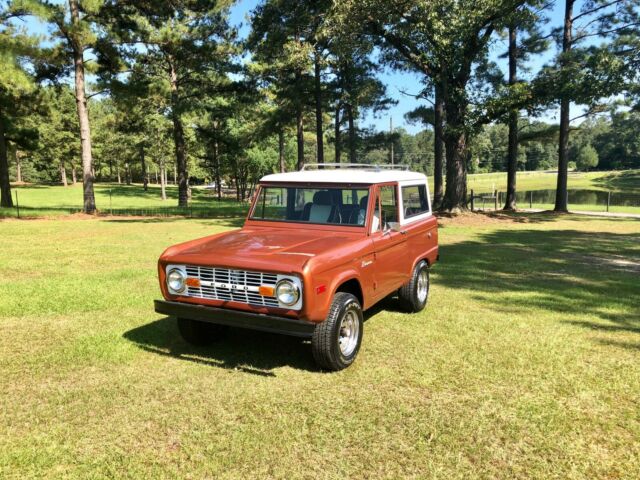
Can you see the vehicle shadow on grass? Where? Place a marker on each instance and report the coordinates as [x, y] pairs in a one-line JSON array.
[[570, 272], [244, 350], [258, 353]]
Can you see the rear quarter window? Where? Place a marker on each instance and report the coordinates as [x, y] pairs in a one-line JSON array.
[[414, 200]]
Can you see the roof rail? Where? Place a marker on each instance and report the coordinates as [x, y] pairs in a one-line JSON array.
[[356, 166]]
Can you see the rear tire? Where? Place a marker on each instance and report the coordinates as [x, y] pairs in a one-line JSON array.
[[336, 341], [413, 295], [199, 333]]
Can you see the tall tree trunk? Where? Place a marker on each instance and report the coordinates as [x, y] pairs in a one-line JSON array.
[[127, 172], [74, 177], [83, 113], [216, 169], [455, 139], [5, 186], [63, 173], [18, 159], [143, 167], [438, 148], [512, 154], [456, 186], [300, 136], [281, 149], [118, 173], [318, 95], [565, 102], [336, 133], [179, 143], [163, 181], [352, 133]]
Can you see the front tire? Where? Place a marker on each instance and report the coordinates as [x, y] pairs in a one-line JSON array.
[[414, 294], [199, 333], [336, 341]]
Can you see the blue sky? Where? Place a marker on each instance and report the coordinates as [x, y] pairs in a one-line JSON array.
[[394, 80], [405, 81]]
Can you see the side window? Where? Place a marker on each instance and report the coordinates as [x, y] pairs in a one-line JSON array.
[[388, 202], [414, 200]]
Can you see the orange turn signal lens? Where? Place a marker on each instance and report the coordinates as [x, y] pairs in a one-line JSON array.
[[193, 282], [266, 291]]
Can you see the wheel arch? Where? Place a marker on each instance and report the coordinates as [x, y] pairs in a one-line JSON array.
[[352, 286], [421, 259]]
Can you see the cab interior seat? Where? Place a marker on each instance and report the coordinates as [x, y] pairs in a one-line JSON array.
[[322, 209]]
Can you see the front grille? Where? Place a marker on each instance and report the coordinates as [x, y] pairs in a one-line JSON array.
[[241, 285]]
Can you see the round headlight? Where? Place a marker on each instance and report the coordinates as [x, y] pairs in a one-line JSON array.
[[287, 292], [175, 280]]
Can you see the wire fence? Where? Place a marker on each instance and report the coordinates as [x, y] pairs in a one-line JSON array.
[[217, 209], [577, 200]]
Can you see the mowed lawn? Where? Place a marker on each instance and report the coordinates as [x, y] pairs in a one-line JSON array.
[[56, 200], [525, 363], [112, 198]]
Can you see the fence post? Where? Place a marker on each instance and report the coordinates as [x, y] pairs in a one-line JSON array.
[[472, 200], [17, 204], [608, 200], [531, 199], [495, 199]]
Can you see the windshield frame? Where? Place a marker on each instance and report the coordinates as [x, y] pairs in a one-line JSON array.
[[315, 225]]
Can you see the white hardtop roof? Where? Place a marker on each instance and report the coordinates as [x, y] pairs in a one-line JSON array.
[[360, 174]]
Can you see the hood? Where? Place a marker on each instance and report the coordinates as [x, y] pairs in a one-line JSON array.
[[258, 249]]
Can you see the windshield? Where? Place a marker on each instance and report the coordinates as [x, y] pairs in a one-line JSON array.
[[342, 206]]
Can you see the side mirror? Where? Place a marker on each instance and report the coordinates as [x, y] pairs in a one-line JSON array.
[[395, 227]]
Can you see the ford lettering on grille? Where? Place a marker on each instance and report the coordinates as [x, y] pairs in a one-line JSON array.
[[232, 285]]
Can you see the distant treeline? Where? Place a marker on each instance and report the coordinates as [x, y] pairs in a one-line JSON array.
[[125, 90]]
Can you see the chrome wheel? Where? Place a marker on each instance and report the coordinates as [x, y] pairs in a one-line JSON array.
[[349, 332], [423, 285]]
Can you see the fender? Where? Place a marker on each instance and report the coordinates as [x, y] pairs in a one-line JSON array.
[[431, 256], [322, 302]]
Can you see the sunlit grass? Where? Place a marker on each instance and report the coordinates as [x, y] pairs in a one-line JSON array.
[[48, 200], [52, 200], [526, 363], [627, 181]]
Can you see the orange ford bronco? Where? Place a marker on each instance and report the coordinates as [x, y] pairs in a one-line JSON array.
[[317, 248]]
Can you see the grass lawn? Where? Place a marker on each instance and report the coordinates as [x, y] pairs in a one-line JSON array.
[[627, 181], [44, 200], [525, 363], [48, 200]]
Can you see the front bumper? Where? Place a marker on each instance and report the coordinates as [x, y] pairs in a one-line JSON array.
[[236, 318]]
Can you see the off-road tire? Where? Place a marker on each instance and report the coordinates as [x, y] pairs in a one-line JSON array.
[[408, 296], [325, 343], [199, 333]]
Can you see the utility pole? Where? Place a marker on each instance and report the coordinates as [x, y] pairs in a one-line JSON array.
[[391, 133]]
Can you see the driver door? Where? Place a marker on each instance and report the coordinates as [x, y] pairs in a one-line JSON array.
[[390, 252]]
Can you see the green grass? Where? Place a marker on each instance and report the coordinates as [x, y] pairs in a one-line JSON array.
[[525, 363], [627, 181], [45, 200], [48, 200]]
